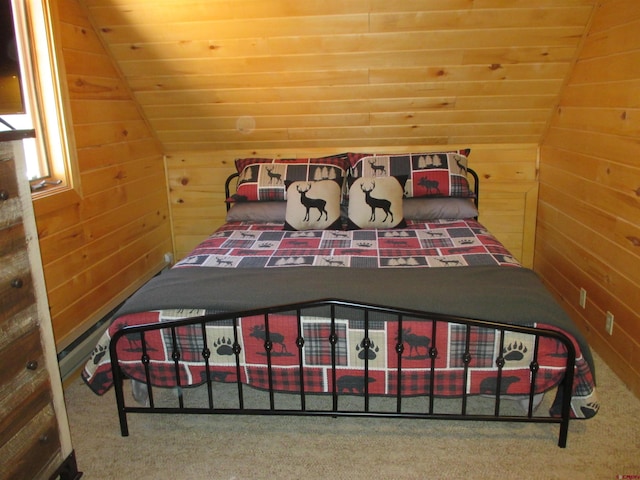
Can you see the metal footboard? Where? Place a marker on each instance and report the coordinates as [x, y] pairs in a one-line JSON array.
[[298, 402]]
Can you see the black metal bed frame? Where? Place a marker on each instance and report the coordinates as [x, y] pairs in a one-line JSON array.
[[297, 310], [474, 175]]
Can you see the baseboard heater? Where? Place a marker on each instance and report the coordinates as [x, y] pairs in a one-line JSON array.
[[72, 358]]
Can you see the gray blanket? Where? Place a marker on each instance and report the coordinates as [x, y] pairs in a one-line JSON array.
[[501, 294]]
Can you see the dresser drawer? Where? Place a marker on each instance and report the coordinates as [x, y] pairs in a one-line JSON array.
[[35, 450], [27, 394], [23, 354], [12, 239], [16, 286]]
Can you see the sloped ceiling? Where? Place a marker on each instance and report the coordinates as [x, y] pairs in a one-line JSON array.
[[272, 74]]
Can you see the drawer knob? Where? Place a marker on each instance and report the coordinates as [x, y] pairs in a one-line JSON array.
[[17, 283], [44, 438], [32, 365], [4, 195]]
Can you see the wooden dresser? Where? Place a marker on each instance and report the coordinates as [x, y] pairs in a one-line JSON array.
[[34, 433]]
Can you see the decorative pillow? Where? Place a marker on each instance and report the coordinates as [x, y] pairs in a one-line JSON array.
[[265, 179], [342, 160], [375, 202], [313, 206], [273, 212], [430, 174], [434, 208]]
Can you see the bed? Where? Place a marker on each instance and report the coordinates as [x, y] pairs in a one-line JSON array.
[[355, 285]]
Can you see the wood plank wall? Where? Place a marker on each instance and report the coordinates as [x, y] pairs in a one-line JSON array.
[[289, 78], [507, 207], [98, 246], [214, 75], [588, 233]]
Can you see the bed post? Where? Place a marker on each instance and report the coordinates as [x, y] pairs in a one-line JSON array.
[[118, 380], [566, 389]]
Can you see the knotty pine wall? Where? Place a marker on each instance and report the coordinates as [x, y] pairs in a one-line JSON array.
[[220, 79], [588, 229], [104, 240]]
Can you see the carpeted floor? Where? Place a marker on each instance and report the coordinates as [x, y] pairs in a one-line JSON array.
[[239, 448]]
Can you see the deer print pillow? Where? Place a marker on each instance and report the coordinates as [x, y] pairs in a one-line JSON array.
[[313, 206], [266, 179], [375, 202], [429, 174]]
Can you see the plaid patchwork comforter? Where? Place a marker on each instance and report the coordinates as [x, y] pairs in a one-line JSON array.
[[228, 245], [441, 243]]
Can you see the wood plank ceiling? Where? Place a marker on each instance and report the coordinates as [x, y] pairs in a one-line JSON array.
[[274, 74]]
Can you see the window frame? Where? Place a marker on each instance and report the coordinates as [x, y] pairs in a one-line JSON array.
[[44, 85]]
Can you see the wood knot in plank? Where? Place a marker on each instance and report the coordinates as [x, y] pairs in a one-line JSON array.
[[635, 241]]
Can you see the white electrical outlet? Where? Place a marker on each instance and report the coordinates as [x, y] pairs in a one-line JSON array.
[[609, 323], [168, 258], [583, 298]]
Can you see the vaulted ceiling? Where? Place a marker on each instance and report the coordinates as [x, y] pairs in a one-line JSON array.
[[270, 74]]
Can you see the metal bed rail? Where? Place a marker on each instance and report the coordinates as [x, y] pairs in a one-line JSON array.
[[367, 311]]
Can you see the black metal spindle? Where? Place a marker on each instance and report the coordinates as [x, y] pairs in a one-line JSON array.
[[236, 351], [433, 355], [147, 373], [466, 360], [333, 339], [206, 355], [175, 356], [534, 366], [268, 347], [500, 362], [399, 352], [300, 345], [366, 344]]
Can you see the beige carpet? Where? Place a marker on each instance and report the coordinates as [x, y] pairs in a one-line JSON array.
[[239, 448]]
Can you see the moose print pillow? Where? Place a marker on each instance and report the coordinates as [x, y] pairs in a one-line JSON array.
[[313, 206], [376, 202], [266, 179], [430, 174]]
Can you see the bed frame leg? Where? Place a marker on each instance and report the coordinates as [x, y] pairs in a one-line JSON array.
[[564, 432], [566, 388], [122, 414]]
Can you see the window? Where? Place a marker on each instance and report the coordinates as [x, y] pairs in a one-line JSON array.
[[50, 162]]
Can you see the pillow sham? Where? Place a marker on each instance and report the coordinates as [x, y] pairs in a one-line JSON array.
[[265, 179], [430, 174], [435, 208], [313, 206], [272, 212], [375, 202], [343, 160]]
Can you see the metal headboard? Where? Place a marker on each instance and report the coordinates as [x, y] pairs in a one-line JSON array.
[[476, 186]]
